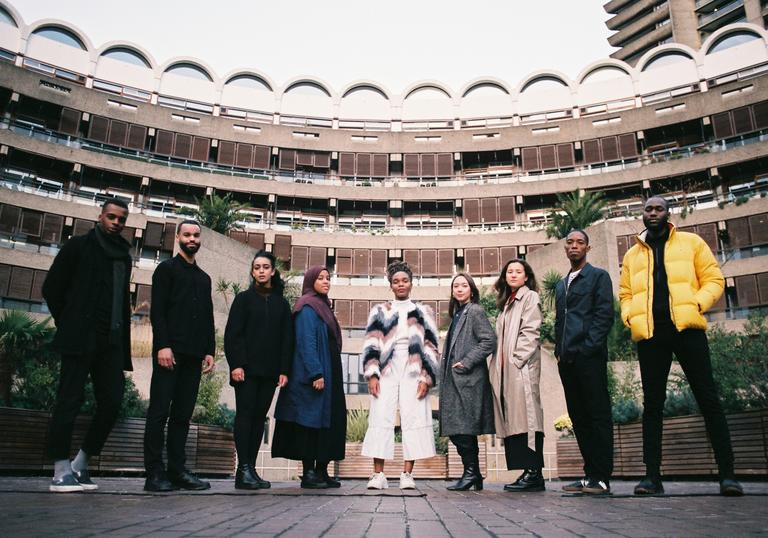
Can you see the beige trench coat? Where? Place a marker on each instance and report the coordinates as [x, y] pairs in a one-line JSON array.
[[516, 394]]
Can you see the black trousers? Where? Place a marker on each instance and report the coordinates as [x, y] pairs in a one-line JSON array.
[[585, 382], [466, 446], [252, 398], [519, 455], [172, 397], [692, 351], [106, 371]]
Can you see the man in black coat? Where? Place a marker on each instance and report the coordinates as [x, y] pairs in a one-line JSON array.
[[87, 292], [584, 304], [183, 345]]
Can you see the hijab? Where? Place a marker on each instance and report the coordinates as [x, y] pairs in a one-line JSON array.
[[318, 302]]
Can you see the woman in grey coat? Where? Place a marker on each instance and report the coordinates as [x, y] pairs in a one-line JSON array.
[[466, 401]]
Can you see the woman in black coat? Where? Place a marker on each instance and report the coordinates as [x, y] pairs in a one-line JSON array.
[[258, 342], [466, 402]]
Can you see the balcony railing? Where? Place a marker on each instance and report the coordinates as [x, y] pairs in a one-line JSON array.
[[720, 12]]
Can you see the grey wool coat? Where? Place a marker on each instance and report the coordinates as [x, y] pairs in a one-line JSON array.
[[466, 400]]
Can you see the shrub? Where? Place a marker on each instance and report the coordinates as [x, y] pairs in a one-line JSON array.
[[357, 425], [208, 410]]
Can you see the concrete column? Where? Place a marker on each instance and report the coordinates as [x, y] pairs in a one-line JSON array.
[[685, 23], [754, 12]]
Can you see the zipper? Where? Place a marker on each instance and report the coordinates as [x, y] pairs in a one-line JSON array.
[[565, 316], [649, 294], [671, 302]]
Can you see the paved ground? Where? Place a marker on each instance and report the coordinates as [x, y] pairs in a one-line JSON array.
[[120, 508]]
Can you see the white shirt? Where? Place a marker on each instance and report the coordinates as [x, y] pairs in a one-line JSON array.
[[571, 276], [402, 308]]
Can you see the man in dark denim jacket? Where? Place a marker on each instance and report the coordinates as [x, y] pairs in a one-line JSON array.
[[584, 304]]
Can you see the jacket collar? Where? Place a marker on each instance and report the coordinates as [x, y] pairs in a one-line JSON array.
[[641, 237], [522, 292]]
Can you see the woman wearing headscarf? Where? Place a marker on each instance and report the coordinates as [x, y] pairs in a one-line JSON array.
[[515, 372], [466, 400], [400, 364], [311, 411]]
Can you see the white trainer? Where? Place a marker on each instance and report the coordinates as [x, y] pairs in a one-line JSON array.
[[407, 481], [378, 481]]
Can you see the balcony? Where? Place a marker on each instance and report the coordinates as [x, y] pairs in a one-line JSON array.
[[709, 22]]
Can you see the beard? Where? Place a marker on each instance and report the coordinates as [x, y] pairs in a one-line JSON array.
[[189, 248]]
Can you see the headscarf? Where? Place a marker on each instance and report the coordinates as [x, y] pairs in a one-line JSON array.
[[318, 302]]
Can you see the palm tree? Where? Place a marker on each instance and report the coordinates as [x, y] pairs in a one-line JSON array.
[[219, 213], [548, 285], [576, 212], [20, 334]]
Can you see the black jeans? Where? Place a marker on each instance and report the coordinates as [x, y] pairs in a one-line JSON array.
[[585, 382], [466, 446], [172, 397], [692, 352], [252, 398], [106, 371]]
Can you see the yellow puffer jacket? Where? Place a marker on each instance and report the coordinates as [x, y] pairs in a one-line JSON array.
[[694, 278]]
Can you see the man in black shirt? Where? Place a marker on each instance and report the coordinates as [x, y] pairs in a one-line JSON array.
[[183, 339]]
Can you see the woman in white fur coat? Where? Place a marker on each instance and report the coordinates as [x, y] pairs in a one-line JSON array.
[[400, 364]]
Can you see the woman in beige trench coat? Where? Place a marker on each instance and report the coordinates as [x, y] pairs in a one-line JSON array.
[[515, 371]]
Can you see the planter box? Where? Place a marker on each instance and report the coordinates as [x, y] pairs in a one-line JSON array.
[[686, 450], [210, 449]]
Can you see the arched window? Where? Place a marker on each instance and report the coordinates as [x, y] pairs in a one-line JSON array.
[[189, 70], [427, 92], [308, 88], [126, 55], [732, 40], [601, 74], [485, 89], [364, 93], [667, 58], [60, 35], [251, 82], [6, 18]]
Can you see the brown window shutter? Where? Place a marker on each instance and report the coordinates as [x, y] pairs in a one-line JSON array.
[[762, 288], [344, 261], [322, 159], [153, 235], [378, 262], [261, 155], [412, 258], [283, 247], [305, 158], [742, 120], [473, 261], [628, 145], [565, 158], [472, 211], [169, 236], [200, 149], [746, 290], [531, 159], [226, 153], [69, 122], [444, 164], [428, 165], [118, 133], [610, 148], [548, 157], [287, 159], [507, 209], [591, 150], [622, 245], [489, 210], [137, 137], [342, 308], [143, 299], [53, 225], [21, 282], [411, 165], [443, 319], [722, 125], [244, 157], [99, 129], [317, 256], [708, 232], [82, 227], [760, 113], [738, 232], [183, 146], [361, 262], [5, 279], [164, 142], [506, 254], [36, 293], [128, 233], [346, 164], [429, 262], [381, 165], [758, 229], [9, 218], [238, 235], [360, 313], [256, 240], [299, 258], [364, 165], [491, 261], [31, 222], [445, 261]]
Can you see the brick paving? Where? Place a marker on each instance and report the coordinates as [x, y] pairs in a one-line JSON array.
[[121, 508]]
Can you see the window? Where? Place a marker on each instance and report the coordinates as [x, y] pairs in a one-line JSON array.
[[732, 40], [544, 83], [65, 37], [427, 92], [668, 58], [190, 71], [249, 81], [485, 89], [308, 88], [6, 18], [364, 93], [604, 73], [126, 55]]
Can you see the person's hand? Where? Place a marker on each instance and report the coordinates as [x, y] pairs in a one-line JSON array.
[[460, 367], [165, 358], [282, 380], [238, 374], [373, 386], [208, 364], [318, 384], [421, 390]]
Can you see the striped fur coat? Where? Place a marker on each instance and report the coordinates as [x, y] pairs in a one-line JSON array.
[[381, 335]]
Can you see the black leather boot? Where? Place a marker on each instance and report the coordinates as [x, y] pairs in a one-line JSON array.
[[247, 478], [331, 481], [470, 478], [530, 480], [313, 480]]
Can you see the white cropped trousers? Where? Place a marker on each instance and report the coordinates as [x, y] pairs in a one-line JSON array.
[[398, 388]]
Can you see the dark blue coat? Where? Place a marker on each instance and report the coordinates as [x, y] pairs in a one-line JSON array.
[[298, 401]]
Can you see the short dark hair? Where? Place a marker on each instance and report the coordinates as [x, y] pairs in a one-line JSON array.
[[187, 221], [651, 197], [114, 201], [579, 230], [398, 266]]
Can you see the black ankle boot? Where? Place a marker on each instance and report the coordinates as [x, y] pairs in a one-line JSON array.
[[247, 478], [332, 482], [470, 478], [313, 480], [530, 480]]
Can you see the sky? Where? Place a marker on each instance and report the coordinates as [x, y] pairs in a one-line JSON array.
[[394, 42]]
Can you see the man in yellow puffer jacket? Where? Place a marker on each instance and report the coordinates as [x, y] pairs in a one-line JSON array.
[[668, 280]]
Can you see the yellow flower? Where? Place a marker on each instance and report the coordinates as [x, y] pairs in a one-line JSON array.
[[563, 424]]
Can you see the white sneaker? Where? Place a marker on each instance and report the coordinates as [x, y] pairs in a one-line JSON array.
[[378, 481], [407, 481]]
